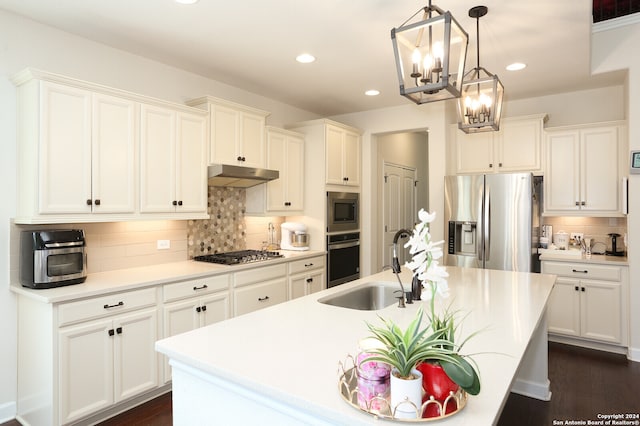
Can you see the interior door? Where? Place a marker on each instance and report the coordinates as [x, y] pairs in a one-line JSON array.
[[399, 201]]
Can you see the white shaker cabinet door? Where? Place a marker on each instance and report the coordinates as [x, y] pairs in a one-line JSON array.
[[600, 169], [563, 309], [114, 148], [252, 140], [601, 317], [191, 168], [351, 153], [562, 178], [65, 150]]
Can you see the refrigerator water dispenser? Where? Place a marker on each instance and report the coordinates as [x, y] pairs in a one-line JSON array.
[[462, 238]]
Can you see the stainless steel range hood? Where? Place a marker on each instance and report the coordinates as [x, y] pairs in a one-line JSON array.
[[239, 176]]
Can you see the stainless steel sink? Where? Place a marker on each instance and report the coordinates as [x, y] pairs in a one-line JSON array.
[[370, 296]]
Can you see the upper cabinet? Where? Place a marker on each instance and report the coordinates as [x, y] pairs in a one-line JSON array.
[[78, 150], [172, 161], [285, 195], [343, 156], [237, 132], [517, 147], [584, 169]]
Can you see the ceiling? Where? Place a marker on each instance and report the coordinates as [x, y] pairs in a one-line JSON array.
[[252, 44]]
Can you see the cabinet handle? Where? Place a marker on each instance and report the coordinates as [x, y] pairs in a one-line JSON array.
[[89, 202], [202, 287], [120, 303], [97, 202], [111, 332], [287, 203], [180, 202], [204, 308], [174, 202], [309, 280], [198, 309], [119, 330], [262, 299], [308, 265], [582, 272]]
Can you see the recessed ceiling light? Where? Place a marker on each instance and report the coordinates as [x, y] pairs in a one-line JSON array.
[[372, 92], [516, 66], [305, 58], [186, 1]]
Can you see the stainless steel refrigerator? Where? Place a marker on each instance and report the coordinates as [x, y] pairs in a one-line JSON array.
[[493, 221]]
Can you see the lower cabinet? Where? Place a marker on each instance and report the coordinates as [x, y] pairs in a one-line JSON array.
[[106, 361], [306, 276], [259, 288], [587, 302]]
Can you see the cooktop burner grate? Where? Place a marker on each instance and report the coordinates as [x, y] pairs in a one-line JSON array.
[[238, 257]]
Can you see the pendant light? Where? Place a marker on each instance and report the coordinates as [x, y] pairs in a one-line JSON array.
[[430, 55], [480, 104]]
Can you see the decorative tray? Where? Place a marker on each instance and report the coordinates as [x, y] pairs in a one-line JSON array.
[[380, 407]]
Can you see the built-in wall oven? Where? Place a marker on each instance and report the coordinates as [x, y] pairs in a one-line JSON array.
[[343, 258]]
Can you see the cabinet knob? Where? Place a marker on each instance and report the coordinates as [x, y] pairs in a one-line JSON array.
[[180, 202], [119, 330], [111, 332], [577, 288], [583, 203], [499, 164], [89, 202], [174, 202], [97, 202], [490, 165], [309, 280], [582, 288], [204, 308], [198, 309], [577, 203], [239, 158]]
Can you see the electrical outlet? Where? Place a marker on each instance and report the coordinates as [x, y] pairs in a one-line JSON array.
[[577, 236], [164, 244]]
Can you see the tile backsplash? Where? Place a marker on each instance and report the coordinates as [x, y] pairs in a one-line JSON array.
[[597, 228]]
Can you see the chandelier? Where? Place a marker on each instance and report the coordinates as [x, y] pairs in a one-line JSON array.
[[430, 55], [480, 103]]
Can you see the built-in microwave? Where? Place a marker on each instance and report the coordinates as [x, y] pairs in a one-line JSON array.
[[342, 211]]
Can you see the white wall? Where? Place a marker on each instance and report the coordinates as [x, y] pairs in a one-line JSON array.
[[25, 43], [617, 49]]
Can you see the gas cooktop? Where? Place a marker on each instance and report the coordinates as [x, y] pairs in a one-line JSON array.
[[238, 257]]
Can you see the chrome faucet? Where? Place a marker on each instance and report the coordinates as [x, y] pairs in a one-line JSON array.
[[395, 265]]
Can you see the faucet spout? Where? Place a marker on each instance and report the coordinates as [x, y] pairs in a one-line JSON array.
[[395, 265]]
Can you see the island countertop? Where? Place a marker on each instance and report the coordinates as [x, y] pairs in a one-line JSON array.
[[287, 356]]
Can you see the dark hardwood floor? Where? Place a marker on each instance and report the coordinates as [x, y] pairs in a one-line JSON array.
[[584, 383]]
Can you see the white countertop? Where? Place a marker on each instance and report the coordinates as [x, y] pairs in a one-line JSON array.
[[290, 352], [582, 258], [134, 278]]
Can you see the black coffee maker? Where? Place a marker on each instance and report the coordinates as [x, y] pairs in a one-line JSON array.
[[614, 246]]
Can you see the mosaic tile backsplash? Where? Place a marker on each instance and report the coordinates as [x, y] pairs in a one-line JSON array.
[[225, 230]]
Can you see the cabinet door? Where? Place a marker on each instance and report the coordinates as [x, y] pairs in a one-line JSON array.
[[351, 160], [114, 147], [295, 174], [65, 150], [474, 152], [519, 146], [277, 160], [562, 174], [599, 174], [191, 167], [179, 317], [214, 308], [563, 308], [157, 159], [135, 359], [601, 307], [252, 137], [258, 296], [86, 369], [303, 285], [334, 168], [225, 135]]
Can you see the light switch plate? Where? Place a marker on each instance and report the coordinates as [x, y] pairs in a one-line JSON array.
[[164, 244]]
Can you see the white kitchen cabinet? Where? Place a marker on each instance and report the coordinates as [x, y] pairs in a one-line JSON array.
[[587, 303], [237, 134], [584, 169], [193, 304], [516, 147], [259, 288], [173, 161], [306, 276], [285, 195], [343, 156]]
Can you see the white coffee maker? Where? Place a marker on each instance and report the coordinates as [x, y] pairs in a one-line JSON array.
[[294, 236]]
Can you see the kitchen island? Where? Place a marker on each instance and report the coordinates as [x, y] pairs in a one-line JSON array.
[[280, 365]]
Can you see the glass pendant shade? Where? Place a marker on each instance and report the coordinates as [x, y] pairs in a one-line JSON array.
[[430, 56], [480, 103]]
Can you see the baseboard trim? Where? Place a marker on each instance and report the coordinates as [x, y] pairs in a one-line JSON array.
[[541, 391], [607, 347], [7, 411], [633, 354]]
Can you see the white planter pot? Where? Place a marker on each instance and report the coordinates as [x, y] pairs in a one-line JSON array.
[[406, 395]]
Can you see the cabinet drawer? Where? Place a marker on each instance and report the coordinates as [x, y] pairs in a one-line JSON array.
[[260, 274], [583, 270], [260, 296], [197, 287], [307, 264], [97, 307]]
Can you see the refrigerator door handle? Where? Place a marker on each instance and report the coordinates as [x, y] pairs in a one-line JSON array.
[[486, 221], [480, 229]]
